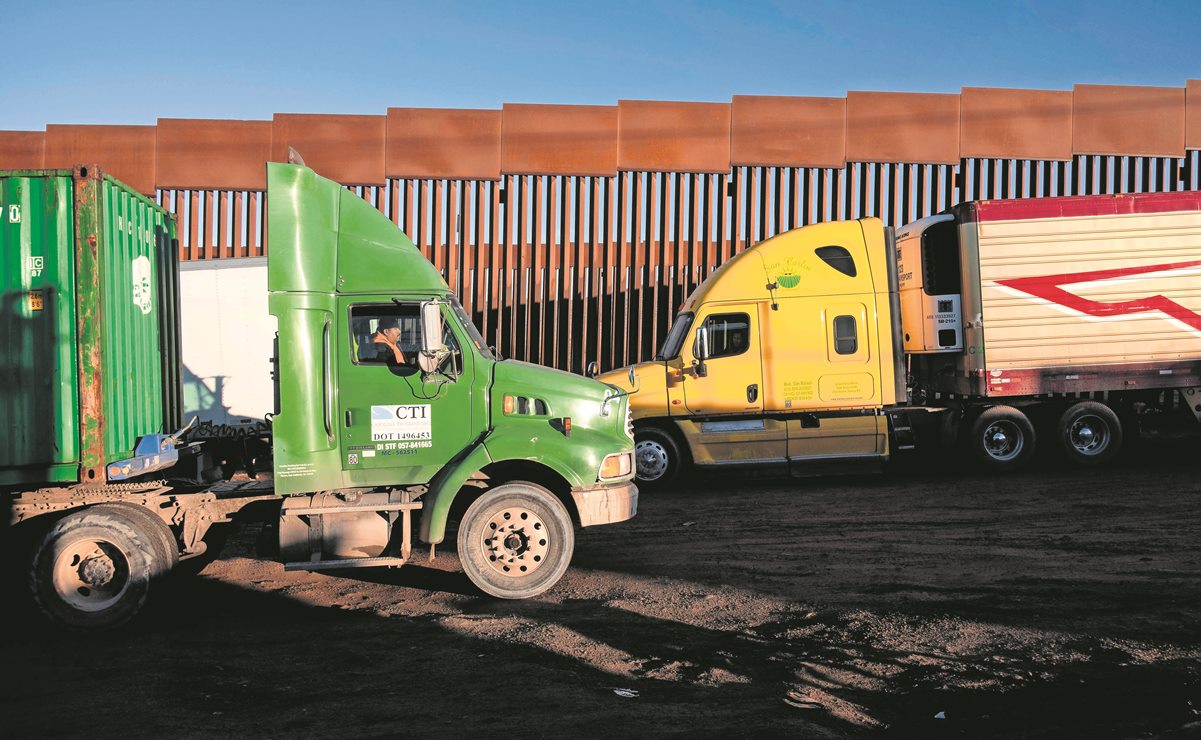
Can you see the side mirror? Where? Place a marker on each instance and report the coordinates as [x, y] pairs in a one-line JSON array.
[[592, 370], [633, 376], [700, 351], [433, 350]]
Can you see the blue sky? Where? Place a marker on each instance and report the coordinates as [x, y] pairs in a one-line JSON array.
[[133, 62]]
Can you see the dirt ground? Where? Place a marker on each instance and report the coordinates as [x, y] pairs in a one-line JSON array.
[[1047, 604]]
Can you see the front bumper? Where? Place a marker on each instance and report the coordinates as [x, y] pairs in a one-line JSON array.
[[607, 503]]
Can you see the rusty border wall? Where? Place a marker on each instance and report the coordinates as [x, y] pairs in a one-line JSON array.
[[573, 233]]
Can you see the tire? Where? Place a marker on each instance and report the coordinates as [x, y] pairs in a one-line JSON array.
[[1089, 433], [1002, 439], [535, 551], [165, 545], [95, 568], [657, 459]]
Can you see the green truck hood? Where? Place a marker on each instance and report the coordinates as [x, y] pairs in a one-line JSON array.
[[550, 380], [594, 432]]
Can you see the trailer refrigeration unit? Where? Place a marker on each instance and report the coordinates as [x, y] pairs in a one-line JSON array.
[[1012, 324], [393, 415]]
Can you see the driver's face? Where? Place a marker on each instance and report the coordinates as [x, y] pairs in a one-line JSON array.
[[393, 334]]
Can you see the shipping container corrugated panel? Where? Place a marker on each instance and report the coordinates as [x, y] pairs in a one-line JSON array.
[[90, 358], [38, 365]]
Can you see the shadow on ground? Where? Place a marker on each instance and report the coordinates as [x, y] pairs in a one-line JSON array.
[[1041, 605], [222, 659]]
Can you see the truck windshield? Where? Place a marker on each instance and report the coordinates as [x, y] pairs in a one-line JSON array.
[[675, 337], [472, 333]]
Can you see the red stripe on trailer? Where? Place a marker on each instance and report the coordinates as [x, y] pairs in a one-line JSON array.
[[1086, 205], [1049, 288]]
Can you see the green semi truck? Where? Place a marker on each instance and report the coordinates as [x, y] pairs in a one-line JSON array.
[[392, 414]]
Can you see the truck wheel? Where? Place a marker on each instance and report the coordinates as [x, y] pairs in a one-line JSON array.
[[657, 458], [1089, 433], [94, 568], [1002, 438], [516, 540], [164, 540]]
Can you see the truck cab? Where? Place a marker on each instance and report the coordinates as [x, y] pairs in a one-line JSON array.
[[391, 403], [782, 359]]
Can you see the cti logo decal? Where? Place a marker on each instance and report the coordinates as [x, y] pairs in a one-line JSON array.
[[1050, 289]]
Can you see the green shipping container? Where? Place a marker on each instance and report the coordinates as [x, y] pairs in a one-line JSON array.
[[89, 324]]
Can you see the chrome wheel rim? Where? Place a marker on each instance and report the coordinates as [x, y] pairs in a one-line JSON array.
[[1003, 440], [515, 541], [91, 575], [650, 459], [1089, 435]]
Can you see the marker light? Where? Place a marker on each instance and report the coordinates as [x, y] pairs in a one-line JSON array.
[[510, 402]]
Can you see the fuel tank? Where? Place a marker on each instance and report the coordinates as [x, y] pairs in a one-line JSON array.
[[336, 526]]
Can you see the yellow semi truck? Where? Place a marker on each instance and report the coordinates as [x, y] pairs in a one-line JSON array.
[[1002, 324]]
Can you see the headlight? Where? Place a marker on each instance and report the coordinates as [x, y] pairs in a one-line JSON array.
[[617, 465]]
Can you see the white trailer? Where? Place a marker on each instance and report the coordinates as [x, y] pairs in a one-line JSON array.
[[1079, 310], [227, 337]]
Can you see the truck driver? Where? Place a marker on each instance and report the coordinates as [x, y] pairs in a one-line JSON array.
[[382, 346]]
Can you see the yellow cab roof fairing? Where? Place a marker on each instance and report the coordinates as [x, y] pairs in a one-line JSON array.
[[789, 262]]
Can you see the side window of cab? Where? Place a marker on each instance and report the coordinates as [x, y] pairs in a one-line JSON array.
[[729, 334], [390, 334], [385, 334], [846, 333]]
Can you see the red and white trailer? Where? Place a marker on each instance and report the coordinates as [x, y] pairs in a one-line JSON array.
[[1075, 311]]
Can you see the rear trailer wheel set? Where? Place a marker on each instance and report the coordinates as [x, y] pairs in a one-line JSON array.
[[1004, 438]]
